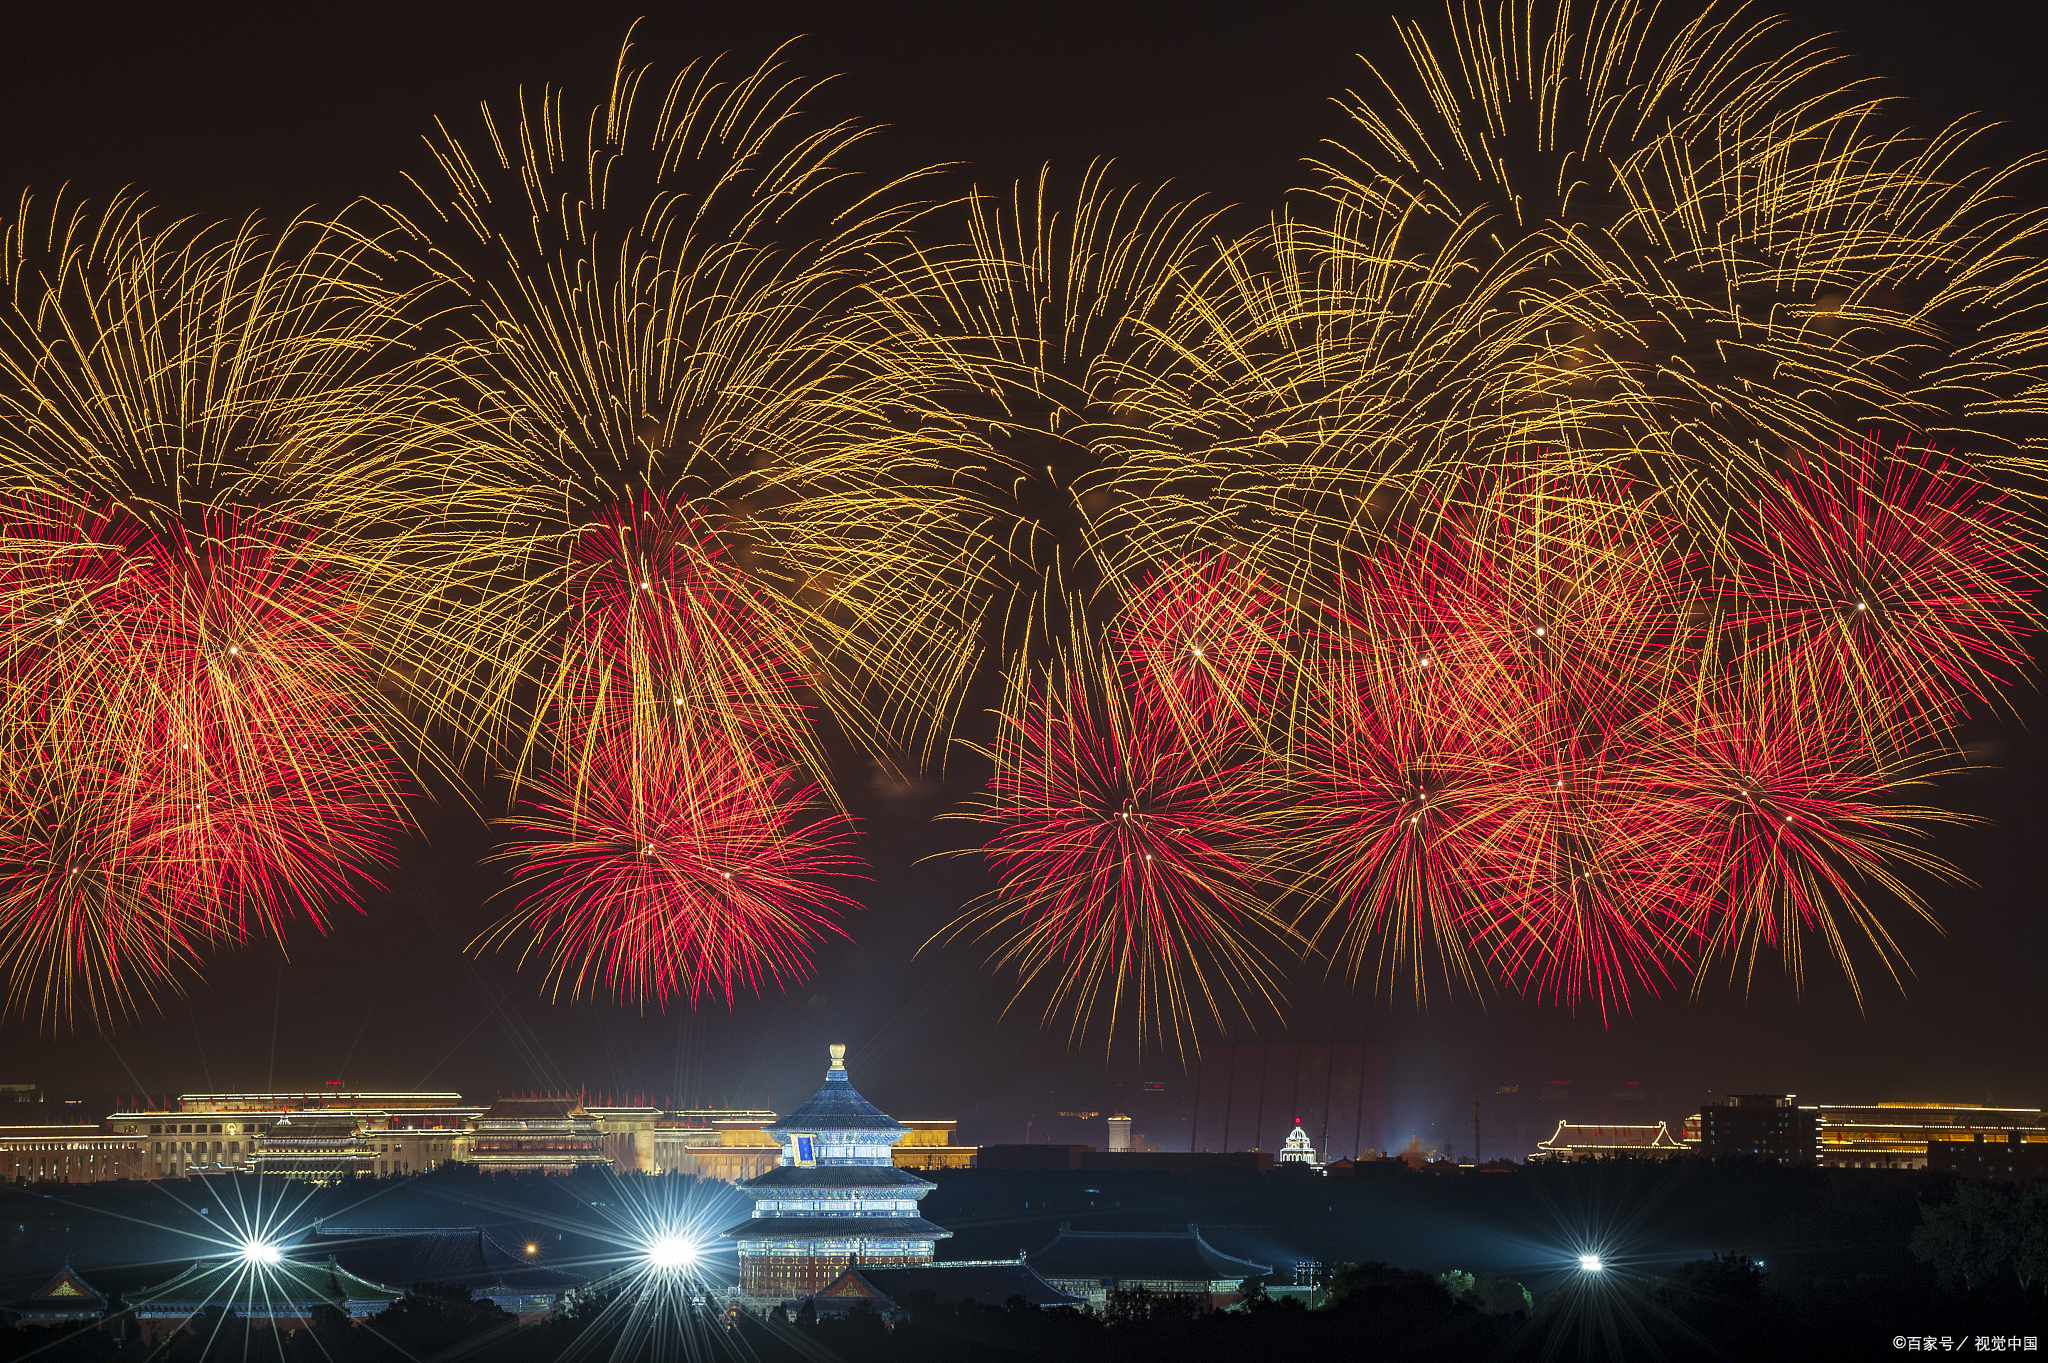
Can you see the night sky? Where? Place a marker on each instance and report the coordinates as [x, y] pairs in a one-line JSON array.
[[218, 112]]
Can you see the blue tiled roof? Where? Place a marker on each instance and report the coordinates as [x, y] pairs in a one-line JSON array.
[[836, 1228], [791, 1177], [836, 1107]]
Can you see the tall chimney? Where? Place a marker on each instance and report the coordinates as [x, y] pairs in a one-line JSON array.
[[1475, 1130]]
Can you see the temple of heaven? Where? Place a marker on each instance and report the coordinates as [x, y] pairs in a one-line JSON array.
[[836, 1199]]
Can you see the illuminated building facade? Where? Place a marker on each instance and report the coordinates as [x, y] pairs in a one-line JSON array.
[[928, 1144], [1299, 1149], [1897, 1135], [836, 1199], [399, 1133], [537, 1135], [1998, 1157], [729, 1144], [78, 1153], [1577, 1142], [330, 1134]]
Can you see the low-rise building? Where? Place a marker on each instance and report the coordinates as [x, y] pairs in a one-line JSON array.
[[1091, 1264], [283, 1296], [1896, 1135], [2008, 1157], [626, 1134], [462, 1256], [537, 1135], [988, 1281], [930, 1146], [1581, 1141], [67, 1300], [319, 1147], [76, 1153]]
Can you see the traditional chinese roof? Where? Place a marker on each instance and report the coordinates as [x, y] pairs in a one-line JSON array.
[[1172, 1256], [290, 1288], [990, 1282], [1569, 1138], [837, 1107], [534, 1110], [66, 1297], [836, 1228], [789, 1176], [463, 1255]]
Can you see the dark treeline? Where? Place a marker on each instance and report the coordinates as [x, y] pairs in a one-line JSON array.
[[1722, 1307]]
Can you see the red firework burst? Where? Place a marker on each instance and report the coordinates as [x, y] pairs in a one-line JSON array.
[[1120, 851], [676, 869], [1473, 778], [1578, 875], [1200, 641], [260, 784], [205, 691], [1894, 580], [1792, 814], [81, 920]]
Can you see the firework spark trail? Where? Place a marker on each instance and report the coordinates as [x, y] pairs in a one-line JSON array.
[[1791, 814], [1893, 583], [1696, 254], [1121, 853], [1201, 642], [675, 869], [669, 635]]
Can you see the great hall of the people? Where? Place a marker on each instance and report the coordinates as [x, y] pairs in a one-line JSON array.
[[326, 1135]]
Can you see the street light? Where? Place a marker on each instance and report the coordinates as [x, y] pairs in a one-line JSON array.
[[672, 1253]]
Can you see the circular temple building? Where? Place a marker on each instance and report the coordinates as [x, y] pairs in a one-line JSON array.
[[836, 1199]]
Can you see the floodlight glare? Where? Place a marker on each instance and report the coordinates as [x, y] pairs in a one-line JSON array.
[[258, 1252], [1590, 1263], [671, 1252]]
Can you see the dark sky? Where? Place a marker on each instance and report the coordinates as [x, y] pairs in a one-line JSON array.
[[221, 111]]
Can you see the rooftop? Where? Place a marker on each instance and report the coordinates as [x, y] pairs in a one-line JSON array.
[[466, 1255], [837, 1107], [836, 1228], [1172, 1256]]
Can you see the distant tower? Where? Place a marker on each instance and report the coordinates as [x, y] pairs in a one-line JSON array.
[[1475, 1130], [1119, 1132]]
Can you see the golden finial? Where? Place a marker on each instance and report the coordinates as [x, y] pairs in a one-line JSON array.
[[838, 1056]]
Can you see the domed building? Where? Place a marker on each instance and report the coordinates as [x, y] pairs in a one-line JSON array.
[[1299, 1150], [836, 1199]]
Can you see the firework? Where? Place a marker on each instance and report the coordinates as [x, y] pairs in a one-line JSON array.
[[673, 868], [1474, 770], [1791, 814], [1895, 584], [1120, 849], [1200, 643], [1033, 354], [1714, 256], [190, 705], [640, 326]]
